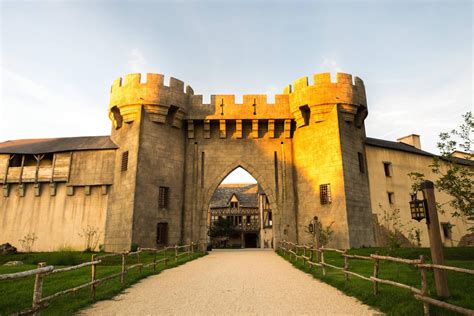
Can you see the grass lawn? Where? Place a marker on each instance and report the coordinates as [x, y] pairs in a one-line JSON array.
[[17, 294], [393, 300]]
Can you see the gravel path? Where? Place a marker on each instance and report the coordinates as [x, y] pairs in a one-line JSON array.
[[231, 282]]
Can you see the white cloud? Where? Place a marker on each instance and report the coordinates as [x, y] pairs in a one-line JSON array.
[[137, 62], [330, 65], [30, 108], [418, 107]]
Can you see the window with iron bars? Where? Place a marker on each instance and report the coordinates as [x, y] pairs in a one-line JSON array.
[[163, 197], [124, 166], [325, 193]]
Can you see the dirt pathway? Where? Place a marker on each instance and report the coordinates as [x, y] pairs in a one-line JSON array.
[[231, 282]]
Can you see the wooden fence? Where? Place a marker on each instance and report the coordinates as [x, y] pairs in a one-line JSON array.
[[40, 302], [315, 257]]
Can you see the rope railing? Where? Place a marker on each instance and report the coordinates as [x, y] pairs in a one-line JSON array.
[[293, 250], [42, 271]]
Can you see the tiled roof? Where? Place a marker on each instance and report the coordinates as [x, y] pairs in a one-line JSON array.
[[246, 194], [411, 149], [396, 146], [50, 145]]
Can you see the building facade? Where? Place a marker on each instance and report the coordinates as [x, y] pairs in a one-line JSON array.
[[249, 213], [151, 181]]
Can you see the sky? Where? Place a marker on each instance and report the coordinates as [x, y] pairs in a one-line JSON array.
[[59, 58]]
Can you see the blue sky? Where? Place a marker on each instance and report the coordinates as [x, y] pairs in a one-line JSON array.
[[59, 58]]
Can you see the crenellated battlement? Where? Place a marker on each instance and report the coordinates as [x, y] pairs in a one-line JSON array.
[[129, 94], [321, 96], [153, 81], [253, 106]]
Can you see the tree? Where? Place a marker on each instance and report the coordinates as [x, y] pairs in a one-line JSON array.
[[455, 177], [223, 228]]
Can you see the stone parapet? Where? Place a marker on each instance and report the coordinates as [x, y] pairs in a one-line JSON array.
[[323, 94], [162, 101]]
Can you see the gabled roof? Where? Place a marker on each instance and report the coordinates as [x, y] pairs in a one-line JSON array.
[[246, 193], [51, 145]]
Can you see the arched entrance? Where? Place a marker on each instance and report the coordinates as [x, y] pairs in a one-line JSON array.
[[239, 214], [254, 223]]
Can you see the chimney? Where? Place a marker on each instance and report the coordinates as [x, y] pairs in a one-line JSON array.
[[412, 140], [461, 154]]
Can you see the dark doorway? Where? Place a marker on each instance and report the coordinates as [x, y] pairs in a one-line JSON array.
[[162, 234], [250, 240]]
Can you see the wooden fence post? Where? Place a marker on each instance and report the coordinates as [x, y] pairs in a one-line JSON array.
[[122, 276], [311, 257], [176, 253], [93, 277], [346, 265], [322, 260], [376, 274], [154, 260], [38, 290], [304, 255], [139, 261], [424, 286]]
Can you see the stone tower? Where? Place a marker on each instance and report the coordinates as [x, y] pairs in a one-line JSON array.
[[328, 146], [148, 127]]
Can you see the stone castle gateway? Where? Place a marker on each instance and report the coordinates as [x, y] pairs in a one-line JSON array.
[[310, 136], [168, 152]]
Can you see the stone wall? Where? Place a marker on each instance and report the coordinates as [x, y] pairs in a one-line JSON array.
[[399, 184], [119, 224], [57, 220], [318, 160], [210, 158], [356, 183], [160, 163]]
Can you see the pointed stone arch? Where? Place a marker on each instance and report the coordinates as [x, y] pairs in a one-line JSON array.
[[270, 193]]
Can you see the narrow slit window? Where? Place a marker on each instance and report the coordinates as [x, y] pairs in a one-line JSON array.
[[387, 168], [306, 114], [391, 197], [446, 230], [163, 197], [124, 166], [360, 156], [325, 194]]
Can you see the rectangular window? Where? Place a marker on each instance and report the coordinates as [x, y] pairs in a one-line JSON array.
[[391, 197], [387, 168], [234, 204], [361, 162], [325, 193], [163, 197], [446, 230], [162, 234], [124, 166]]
